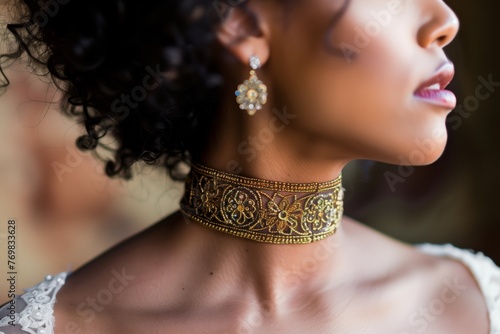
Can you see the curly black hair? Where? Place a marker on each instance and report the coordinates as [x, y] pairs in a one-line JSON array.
[[106, 56], [139, 70]]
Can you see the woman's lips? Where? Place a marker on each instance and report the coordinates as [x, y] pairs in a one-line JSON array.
[[433, 90], [439, 97]]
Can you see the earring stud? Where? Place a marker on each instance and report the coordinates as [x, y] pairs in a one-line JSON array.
[[252, 93]]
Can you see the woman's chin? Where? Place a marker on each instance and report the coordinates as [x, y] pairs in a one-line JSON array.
[[422, 154], [419, 152]]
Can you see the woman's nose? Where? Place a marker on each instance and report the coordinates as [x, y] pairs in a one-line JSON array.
[[441, 26]]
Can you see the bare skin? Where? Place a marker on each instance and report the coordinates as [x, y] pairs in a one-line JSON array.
[[186, 278], [190, 279]]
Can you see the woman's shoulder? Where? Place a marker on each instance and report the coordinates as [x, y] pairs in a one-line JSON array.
[[449, 288], [32, 311], [485, 272], [126, 277], [82, 301], [484, 269]]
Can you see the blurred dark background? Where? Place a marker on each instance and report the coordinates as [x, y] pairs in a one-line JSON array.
[[456, 199]]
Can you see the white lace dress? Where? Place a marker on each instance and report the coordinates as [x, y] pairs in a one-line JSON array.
[[33, 312]]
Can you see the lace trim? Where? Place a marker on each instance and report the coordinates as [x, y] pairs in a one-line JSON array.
[[37, 316], [486, 272]]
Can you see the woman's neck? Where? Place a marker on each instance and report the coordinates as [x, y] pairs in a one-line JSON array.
[[273, 274], [269, 146], [268, 271]]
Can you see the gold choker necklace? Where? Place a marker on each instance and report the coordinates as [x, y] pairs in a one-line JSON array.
[[261, 210]]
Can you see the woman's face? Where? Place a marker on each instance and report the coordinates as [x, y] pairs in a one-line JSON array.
[[365, 107]]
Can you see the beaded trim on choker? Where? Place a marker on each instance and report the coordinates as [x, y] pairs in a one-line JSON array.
[[261, 210]]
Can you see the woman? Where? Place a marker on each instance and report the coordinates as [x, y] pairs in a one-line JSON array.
[[260, 244]]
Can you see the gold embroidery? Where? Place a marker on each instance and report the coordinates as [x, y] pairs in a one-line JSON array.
[[262, 210]]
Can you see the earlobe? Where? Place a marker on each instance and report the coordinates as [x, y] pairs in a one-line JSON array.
[[241, 35]]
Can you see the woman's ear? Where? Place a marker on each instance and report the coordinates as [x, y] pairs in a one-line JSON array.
[[241, 34]]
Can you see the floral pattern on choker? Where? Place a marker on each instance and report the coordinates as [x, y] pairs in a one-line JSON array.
[[262, 210]]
